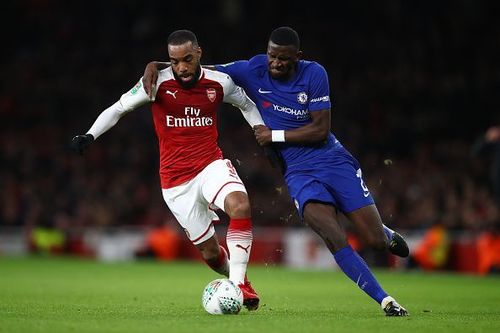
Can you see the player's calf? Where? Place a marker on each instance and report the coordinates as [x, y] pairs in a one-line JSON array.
[[215, 256]]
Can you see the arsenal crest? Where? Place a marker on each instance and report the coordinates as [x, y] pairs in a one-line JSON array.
[[211, 94]]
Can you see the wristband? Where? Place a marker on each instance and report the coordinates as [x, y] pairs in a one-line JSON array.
[[278, 136]]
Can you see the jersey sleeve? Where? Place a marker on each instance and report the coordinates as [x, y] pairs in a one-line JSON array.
[[237, 70], [129, 101], [319, 90], [236, 96], [135, 97]]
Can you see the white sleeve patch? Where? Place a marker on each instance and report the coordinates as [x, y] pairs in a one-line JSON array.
[[135, 97]]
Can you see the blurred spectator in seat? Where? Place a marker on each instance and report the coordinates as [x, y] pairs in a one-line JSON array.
[[488, 249], [432, 252], [162, 242], [489, 142], [488, 243]]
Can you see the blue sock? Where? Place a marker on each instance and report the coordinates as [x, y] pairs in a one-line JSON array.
[[356, 269], [388, 232]]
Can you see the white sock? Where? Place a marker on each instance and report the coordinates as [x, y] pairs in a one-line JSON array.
[[386, 301], [239, 243]]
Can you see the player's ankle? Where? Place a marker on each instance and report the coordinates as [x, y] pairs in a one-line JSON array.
[[386, 301]]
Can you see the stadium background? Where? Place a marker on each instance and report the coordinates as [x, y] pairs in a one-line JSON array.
[[414, 84]]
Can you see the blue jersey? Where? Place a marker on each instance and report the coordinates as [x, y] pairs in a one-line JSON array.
[[285, 105], [325, 172]]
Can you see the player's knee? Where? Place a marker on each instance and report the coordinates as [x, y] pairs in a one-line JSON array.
[[238, 206]]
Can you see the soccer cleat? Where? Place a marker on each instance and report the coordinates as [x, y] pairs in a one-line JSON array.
[[250, 297], [398, 246], [393, 309]]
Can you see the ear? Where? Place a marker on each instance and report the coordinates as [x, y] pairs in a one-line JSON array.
[[299, 55]]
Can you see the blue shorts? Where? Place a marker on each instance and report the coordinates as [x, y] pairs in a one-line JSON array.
[[333, 178]]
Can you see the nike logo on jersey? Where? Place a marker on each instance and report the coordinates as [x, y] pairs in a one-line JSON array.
[[243, 248], [265, 91], [168, 92]]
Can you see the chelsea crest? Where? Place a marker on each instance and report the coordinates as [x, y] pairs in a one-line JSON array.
[[302, 97]]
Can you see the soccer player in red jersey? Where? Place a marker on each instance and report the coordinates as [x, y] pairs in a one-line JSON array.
[[195, 178], [323, 178]]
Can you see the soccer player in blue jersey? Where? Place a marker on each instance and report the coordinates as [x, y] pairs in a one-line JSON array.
[[323, 178]]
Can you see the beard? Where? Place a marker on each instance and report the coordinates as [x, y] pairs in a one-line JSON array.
[[189, 84]]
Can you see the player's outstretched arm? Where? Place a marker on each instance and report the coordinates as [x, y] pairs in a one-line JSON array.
[[316, 131], [236, 96], [249, 109], [108, 118]]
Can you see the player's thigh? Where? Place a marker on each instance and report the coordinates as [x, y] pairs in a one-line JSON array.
[[191, 211], [304, 188], [324, 220], [219, 179], [355, 200], [344, 179]]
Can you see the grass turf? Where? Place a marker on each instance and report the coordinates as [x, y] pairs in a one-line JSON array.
[[71, 295]]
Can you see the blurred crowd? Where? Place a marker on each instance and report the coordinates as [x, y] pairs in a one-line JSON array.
[[414, 84]]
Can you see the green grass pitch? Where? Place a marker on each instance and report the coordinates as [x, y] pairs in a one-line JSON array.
[[71, 295]]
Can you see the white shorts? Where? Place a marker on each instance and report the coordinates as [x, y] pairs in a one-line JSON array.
[[193, 203]]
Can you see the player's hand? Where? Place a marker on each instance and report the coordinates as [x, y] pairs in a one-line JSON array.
[[262, 134], [80, 142], [149, 79]]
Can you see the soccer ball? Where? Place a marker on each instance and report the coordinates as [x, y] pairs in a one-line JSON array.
[[222, 296]]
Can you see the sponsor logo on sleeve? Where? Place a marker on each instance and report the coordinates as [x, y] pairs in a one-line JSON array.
[[321, 99], [136, 88]]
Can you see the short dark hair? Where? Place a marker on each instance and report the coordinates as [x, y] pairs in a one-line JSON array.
[[285, 36], [180, 37]]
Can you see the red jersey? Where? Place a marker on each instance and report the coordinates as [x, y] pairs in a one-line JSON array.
[[186, 125], [185, 120]]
